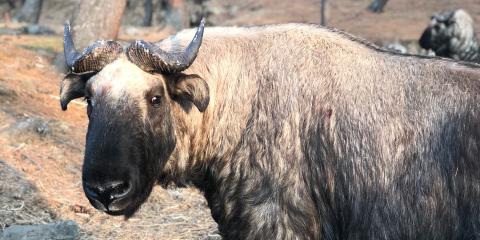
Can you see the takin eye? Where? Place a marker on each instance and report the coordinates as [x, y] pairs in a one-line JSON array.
[[156, 100]]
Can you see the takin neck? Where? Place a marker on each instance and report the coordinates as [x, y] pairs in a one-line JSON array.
[[248, 152], [252, 166], [258, 189]]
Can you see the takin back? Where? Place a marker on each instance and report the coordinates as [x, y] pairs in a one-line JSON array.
[[291, 132]]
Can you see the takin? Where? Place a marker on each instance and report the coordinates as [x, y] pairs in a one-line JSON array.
[[291, 132], [451, 34]]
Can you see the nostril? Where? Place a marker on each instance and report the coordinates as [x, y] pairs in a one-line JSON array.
[[92, 190], [107, 193], [119, 190]]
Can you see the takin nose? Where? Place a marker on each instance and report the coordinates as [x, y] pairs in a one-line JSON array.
[[105, 196]]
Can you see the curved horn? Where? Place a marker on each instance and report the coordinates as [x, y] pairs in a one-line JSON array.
[[93, 58], [150, 57]]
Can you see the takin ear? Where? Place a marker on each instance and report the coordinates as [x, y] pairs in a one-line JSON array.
[[191, 88], [72, 87]]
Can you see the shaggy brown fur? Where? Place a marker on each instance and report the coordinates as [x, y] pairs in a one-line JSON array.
[[310, 133]]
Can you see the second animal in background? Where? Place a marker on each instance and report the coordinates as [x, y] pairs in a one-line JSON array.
[[451, 34]]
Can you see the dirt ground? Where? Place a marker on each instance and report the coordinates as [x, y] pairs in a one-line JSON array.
[[41, 147]]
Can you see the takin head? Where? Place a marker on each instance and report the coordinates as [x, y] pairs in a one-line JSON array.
[[448, 33], [131, 130]]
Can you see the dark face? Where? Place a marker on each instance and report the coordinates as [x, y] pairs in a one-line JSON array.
[[129, 139], [131, 130], [438, 34]]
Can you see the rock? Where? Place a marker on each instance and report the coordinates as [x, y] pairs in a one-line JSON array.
[[35, 29], [32, 29], [9, 31], [20, 200], [65, 230], [5, 92], [396, 47], [32, 124]]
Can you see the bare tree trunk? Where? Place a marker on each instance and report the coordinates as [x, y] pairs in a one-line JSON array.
[[96, 20], [11, 3], [177, 14], [30, 12], [147, 20], [377, 6], [323, 12]]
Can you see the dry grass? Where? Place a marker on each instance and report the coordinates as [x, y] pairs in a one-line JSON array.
[[23, 205]]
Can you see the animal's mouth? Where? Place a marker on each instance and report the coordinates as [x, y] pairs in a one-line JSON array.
[[124, 202], [117, 199], [115, 206], [126, 206]]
